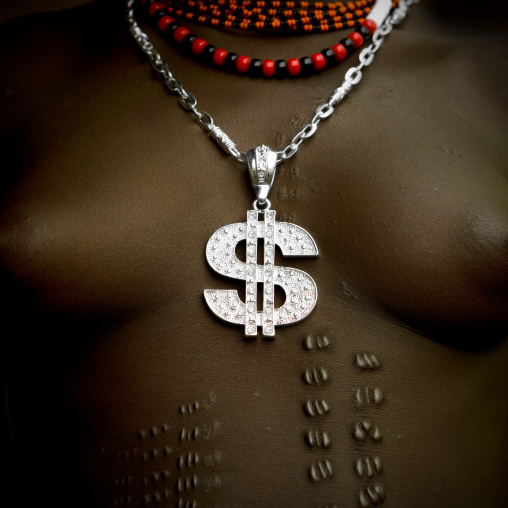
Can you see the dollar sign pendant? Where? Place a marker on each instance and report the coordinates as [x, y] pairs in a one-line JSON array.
[[293, 240]]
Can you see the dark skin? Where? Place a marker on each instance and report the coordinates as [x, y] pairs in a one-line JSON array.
[[111, 193]]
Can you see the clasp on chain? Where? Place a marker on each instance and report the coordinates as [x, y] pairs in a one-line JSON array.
[[262, 162]]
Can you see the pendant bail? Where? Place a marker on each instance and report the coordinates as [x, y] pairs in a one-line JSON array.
[[262, 162]]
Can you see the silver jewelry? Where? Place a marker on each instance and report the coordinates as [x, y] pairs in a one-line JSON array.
[[300, 288]]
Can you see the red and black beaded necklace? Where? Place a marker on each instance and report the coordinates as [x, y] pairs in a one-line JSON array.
[[300, 17], [230, 14]]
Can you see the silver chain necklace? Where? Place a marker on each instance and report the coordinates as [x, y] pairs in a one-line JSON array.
[[293, 240]]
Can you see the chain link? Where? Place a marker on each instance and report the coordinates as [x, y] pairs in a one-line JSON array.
[[323, 111]]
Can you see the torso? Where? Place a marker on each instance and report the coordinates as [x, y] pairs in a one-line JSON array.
[[115, 192]]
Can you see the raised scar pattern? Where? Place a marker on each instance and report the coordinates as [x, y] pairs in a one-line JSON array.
[[156, 477], [207, 485], [372, 495], [187, 504], [316, 407], [194, 459], [123, 481], [366, 430], [187, 484], [197, 433], [156, 497], [122, 501], [154, 431], [321, 470], [316, 439], [311, 343], [316, 376], [191, 459], [366, 361], [368, 467], [156, 453], [205, 403], [364, 396]]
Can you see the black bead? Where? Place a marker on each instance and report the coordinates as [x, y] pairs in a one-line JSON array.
[[235, 23], [329, 57], [230, 62], [348, 44], [284, 25], [306, 66], [170, 30], [281, 69], [365, 33], [255, 68], [207, 54], [160, 13], [187, 42]]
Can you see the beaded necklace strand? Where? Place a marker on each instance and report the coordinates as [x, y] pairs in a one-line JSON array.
[[300, 17], [219, 58]]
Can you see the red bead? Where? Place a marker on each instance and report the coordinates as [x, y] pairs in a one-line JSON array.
[[164, 22], [198, 46], [340, 52], [294, 67], [356, 38], [219, 56], [370, 24], [242, 64], [318, 61], [268, 68], [180, 33], [156, 6]]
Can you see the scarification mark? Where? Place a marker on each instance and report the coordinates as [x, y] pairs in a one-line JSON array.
[[366, 430], [154, 431], [190, 408], [156, 477], [318, 439], [316, 407], [310, 343], [187, 484], [190, 434], [211, 484], [205, 403], [128, 455], [206, 432], [369, 395], [191, 459], [208, 485], [368, 467], [321, 470], [187, 504], [373, 495], [366, 361], [212, 459], [156, 453], [156, 497], [123, 481], [316, 376], [123, 501]]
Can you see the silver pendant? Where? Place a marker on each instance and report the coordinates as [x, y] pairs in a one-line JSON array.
[[294, 241]]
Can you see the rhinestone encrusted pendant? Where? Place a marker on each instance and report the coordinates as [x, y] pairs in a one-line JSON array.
[[293, 240]]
